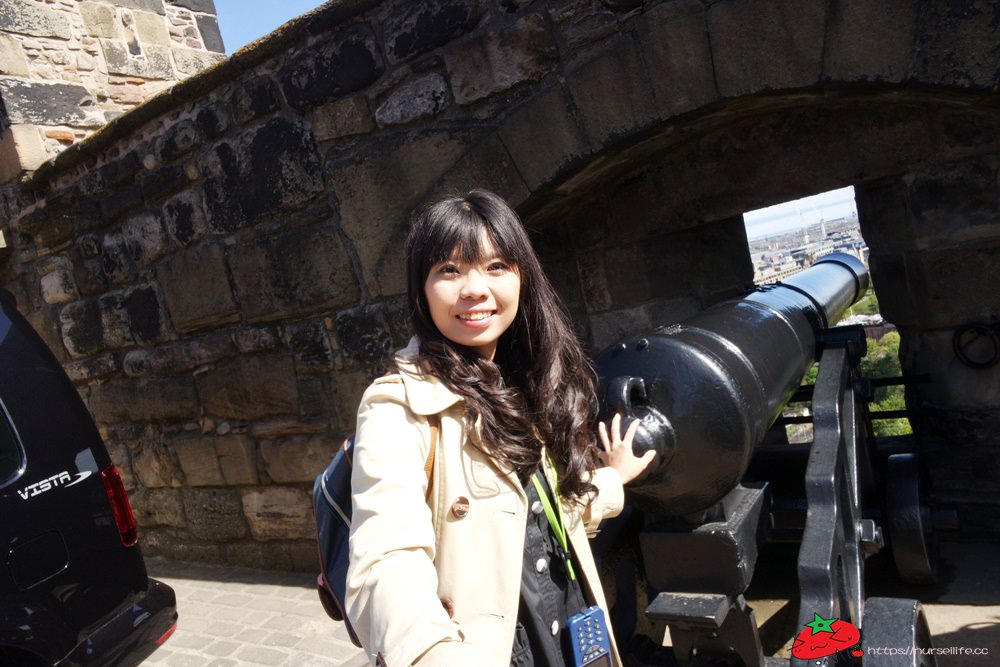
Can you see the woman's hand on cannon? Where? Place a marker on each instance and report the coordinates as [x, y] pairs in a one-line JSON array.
[[617, 449]]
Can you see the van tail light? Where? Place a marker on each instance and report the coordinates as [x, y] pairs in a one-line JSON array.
[[120, 507], [166, 635]]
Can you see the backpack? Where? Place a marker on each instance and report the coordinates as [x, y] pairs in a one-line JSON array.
[[332, 504]]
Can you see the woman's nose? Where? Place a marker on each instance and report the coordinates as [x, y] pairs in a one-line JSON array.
[[475, 286]]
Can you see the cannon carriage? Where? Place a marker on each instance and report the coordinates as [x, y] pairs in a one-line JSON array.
[[709, 393]]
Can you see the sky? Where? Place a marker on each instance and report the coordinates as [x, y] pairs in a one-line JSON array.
[[800, 213], [242, 21]]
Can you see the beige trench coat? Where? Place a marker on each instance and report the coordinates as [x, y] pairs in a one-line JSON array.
[[411, 558]]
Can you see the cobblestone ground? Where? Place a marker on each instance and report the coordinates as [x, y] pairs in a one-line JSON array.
[[232, 616]]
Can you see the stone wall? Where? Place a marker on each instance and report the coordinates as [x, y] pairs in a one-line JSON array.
[[67, 67], [220, 269]]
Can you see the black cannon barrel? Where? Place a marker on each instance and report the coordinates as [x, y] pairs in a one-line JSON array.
[[708, 389]]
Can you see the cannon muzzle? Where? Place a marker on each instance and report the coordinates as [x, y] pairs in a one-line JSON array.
[[707, 390]]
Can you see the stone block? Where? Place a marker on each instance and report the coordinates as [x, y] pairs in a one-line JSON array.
[[310, 344], [953, 204], [204, 6], [17, 16], [956, 44], [372, 215], [363, 334], [154, 467], [48, 103], [164, 181], [178, 139], [315, 394], [581, 23], [158, 507], [415, 98], [145, 237], [199, 462], [299, 272], [342, 118], [949, 294], [196, 288], [90, 279], [151, 28], [613, 95], [766, 46], [214, 119], [868, 41], [426, 24], [268, 169], [144, 399], [279, 513], [255, 339], [93, 368], [486, 162], [189, 354], [58, 286], [147, 314], [543, 138], [237, 455], [12, 59], [93, 324], [297, 459], [498, 61], [155, 6], [215, 515], [155, 64], [121, 200], [99, 20], [116, 263], [21, 149], [679, 60], [332, 67], [190, 61], [250, 387], [120, 170], [211, 37], [184, 218], [257, 96]]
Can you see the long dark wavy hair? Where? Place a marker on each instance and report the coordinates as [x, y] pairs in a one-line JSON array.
[[540, 386]]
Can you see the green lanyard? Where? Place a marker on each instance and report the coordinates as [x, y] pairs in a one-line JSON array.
[[554, 515]]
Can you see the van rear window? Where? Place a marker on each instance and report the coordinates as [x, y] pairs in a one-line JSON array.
[[10, 453]]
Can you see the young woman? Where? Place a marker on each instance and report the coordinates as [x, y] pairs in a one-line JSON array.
[[483, 561]]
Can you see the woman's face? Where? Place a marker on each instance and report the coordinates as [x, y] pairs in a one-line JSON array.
[[473, 304]]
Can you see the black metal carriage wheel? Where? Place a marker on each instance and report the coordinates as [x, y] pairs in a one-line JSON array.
[[894, 633]]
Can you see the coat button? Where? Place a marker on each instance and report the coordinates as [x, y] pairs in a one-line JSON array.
[[540, 565], [555, 628], [536, 507], [460, 508]]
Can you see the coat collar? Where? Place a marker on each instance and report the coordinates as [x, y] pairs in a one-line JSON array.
[[425, 394]]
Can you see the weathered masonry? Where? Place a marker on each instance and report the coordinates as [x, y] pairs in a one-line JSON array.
[[220, 268], [69, 67]]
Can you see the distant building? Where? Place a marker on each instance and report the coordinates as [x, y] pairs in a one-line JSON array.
[[779, 256]]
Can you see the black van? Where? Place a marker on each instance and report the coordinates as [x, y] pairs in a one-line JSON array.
[[74, 590]]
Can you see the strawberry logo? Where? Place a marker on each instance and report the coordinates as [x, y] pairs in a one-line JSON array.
[[826, 636]]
